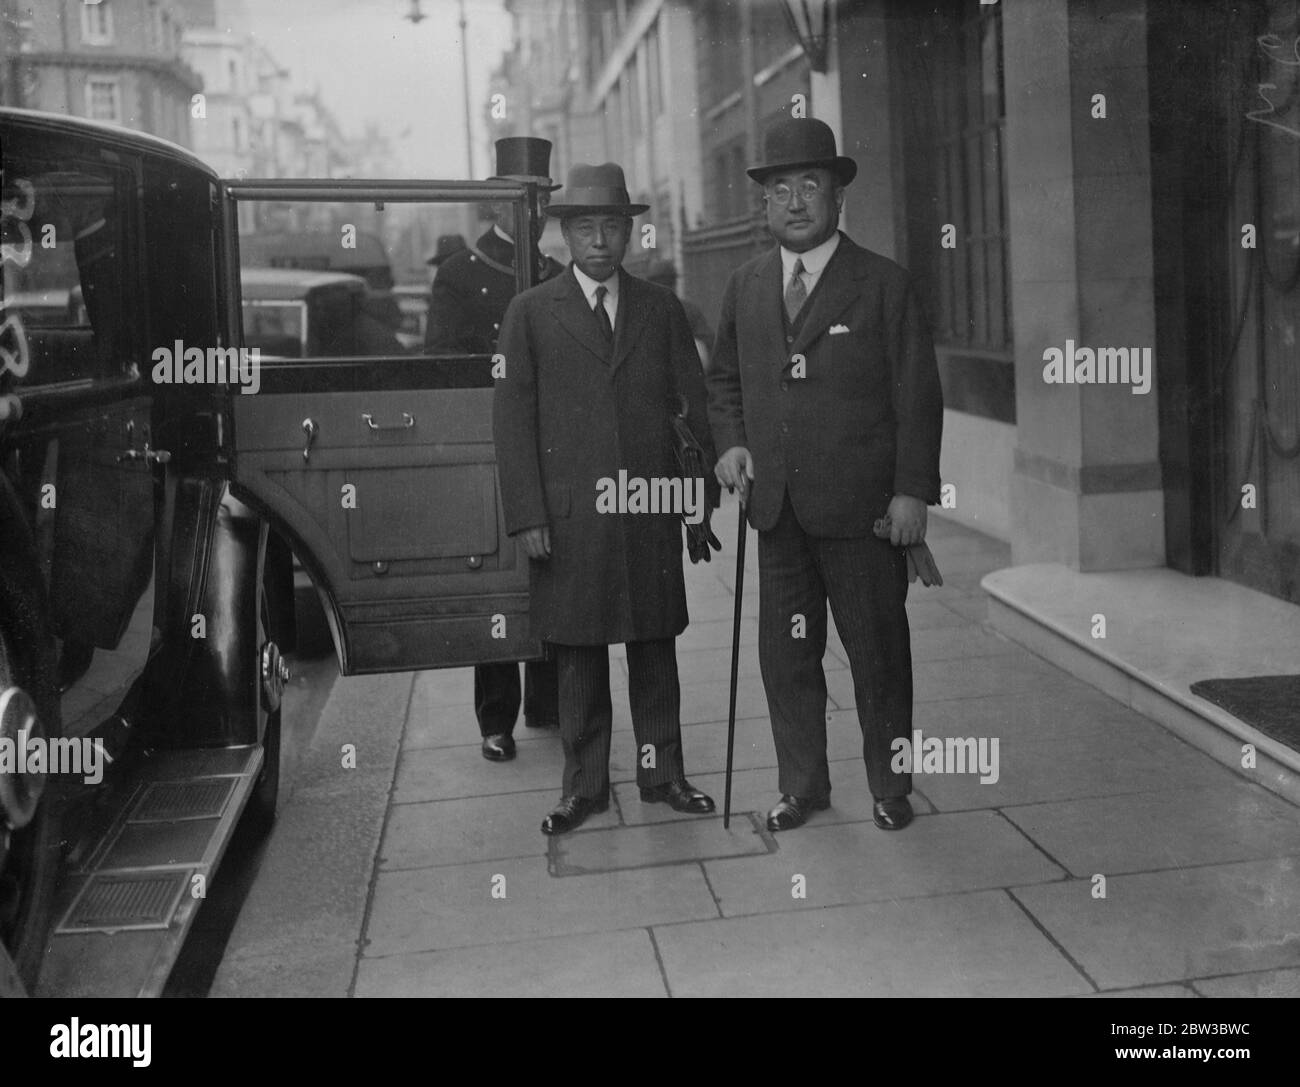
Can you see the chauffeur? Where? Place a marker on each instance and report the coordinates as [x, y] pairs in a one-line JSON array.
[[594, 360], [825, 394], [470, 295]]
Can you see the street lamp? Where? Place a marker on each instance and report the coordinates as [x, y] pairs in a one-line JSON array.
[[810, 22], [415, 16]]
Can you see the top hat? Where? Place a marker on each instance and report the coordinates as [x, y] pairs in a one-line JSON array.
[[802, 141], [596, 190], [524, 158], [448, 246]]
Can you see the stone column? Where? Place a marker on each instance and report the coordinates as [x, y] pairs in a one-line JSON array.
[[1086, 488]]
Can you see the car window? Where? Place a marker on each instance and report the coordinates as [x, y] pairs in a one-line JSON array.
[[389, 247], [66, 314]]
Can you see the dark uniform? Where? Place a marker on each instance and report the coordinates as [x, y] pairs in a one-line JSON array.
[[470, 296]]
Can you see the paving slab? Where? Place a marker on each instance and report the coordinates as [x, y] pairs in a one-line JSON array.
[[1035, 771], [603, 964], [1268, 983], [687, 839], [1179, 826], [859, 862], [938, 680], [427, 909], [444, 773], [472, 829], [1175, 925], [1152, 992], [978, 944]]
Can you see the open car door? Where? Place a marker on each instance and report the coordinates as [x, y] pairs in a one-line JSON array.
[[376, 465]]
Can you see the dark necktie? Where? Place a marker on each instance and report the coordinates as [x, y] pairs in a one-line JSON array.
[[796, 294], [602, 315]]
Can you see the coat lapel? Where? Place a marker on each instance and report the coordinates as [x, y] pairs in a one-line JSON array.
[[630, 319], [569, 305], [840, 284], [765, 308]]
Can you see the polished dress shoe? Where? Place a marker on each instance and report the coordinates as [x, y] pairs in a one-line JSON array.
[[892, 813], [793, 811], [680, 795], [570, 812], [499, 747]]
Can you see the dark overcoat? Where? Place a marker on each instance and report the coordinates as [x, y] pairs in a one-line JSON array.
[[857, 421], [470, 295], [570, 412]]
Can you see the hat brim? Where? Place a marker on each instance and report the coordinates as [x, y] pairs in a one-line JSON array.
[[843, 167], [563, 211]]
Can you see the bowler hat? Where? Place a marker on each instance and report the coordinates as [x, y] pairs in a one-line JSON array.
[[524, 158], [448, 246], [596, 190], [802, 141]]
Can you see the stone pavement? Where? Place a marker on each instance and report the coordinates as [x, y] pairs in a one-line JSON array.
[[379, 880]]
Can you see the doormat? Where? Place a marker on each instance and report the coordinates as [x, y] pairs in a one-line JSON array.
[[1268, 703]]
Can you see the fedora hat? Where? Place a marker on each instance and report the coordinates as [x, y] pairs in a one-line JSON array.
[[802, 141], [596, 190], [448, 246], [524, 158]]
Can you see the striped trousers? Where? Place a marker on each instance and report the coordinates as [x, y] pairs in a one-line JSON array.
[[586, 715], [865, 579]]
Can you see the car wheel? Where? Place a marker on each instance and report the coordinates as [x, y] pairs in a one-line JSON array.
[[29, 840]]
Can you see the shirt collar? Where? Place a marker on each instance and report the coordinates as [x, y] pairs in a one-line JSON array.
[[589, 285], [502, 234], [814, 260]]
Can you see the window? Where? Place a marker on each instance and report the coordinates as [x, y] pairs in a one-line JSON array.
[[973, 302], [103, 100], [234, 75], [96, 23], [236, 134]]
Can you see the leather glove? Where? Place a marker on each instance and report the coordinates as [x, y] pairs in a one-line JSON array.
[[700, 538], [920, 560]]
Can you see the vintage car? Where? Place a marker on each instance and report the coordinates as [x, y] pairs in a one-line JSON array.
[[154, 481], [413, 301], [296, 314]]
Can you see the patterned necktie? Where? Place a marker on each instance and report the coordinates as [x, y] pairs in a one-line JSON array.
[[602, 315], [796, 294]]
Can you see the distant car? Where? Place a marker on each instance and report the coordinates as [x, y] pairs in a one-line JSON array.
[[413, 301], [297, 314]]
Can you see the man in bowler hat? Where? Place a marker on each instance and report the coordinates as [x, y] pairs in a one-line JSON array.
[[470, 295], [824, 395], [595, 359]]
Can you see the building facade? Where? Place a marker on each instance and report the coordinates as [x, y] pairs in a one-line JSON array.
[[116, 60]]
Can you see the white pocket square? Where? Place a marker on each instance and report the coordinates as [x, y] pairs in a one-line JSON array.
[[836, 330]]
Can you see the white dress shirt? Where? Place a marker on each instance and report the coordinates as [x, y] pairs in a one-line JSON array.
[[589, 286], [814, 262]]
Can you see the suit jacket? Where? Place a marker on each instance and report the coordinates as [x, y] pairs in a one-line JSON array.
[[569, 412], [864, 421], [470, 297]]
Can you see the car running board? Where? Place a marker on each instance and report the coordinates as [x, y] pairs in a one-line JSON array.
[[123, 914]]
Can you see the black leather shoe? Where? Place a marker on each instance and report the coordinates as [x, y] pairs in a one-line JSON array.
[[892, 813], [499, 747], [793, 811], [680, 795], [571, 812]]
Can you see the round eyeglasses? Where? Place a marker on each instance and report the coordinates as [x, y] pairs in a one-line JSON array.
[[782, 193]]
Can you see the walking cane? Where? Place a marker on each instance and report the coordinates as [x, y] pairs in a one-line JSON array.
[[735, 659]]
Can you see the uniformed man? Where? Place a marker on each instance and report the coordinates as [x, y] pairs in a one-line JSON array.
[[470, 295]]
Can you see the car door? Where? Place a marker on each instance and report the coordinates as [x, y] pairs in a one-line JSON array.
[[379, 467]]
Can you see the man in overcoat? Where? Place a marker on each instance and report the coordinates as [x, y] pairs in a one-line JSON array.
[[470, 294], [595, 359], [825, 396]]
